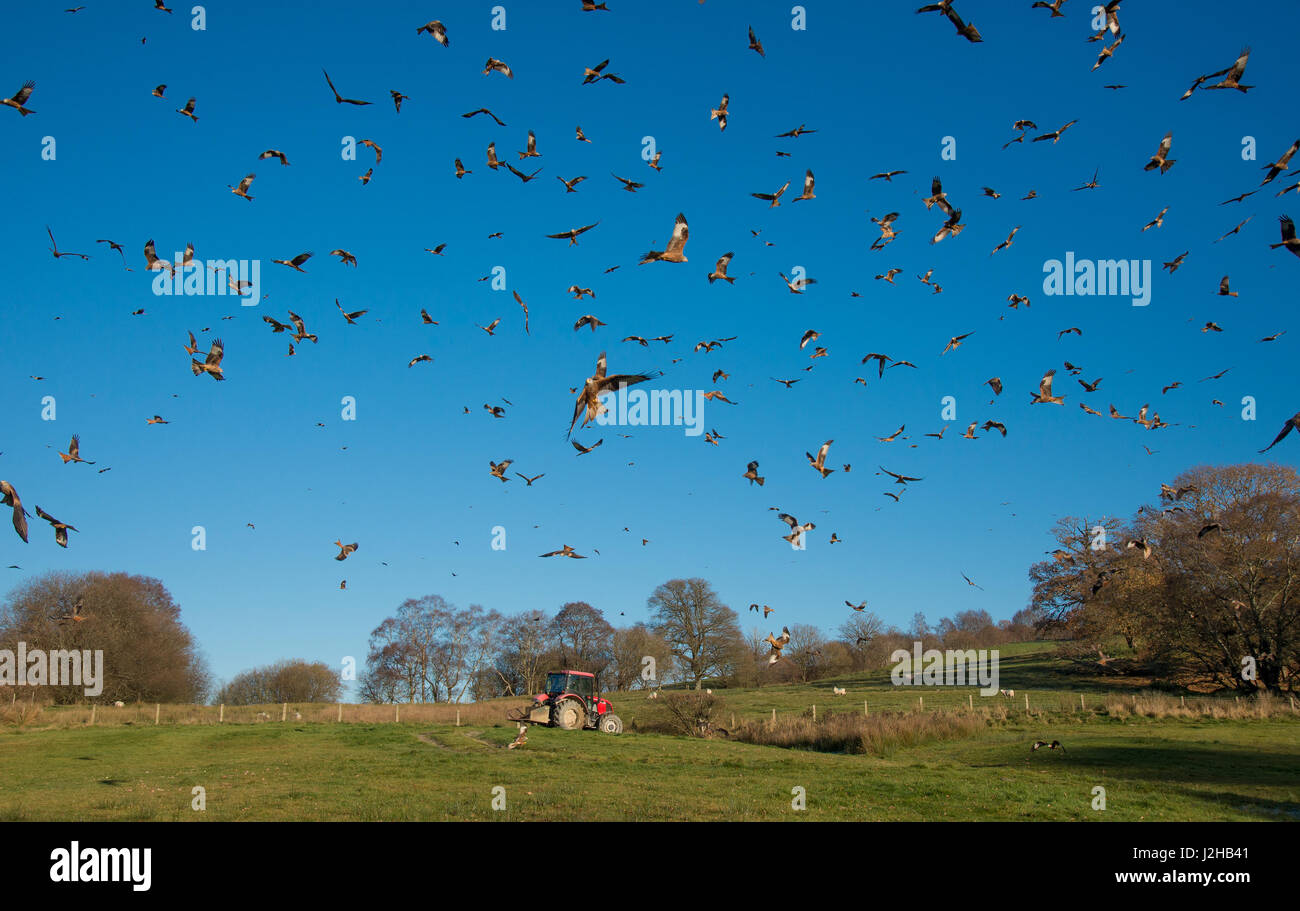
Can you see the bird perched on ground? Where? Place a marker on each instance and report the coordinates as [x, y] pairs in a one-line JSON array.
[[1054, 745], [520, 739]]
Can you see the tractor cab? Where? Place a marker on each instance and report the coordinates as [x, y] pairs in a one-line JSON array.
[[577, 683]]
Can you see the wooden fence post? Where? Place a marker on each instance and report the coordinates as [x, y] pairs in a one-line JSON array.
[[773, 718], [457, 716], [1026, 702], [814, 714], [340, 712], [920, 702], [284, 711], [1081, 707], [222, 717], [865, 713], [970, 698], [157, 710], [92, 713], [397, 714]]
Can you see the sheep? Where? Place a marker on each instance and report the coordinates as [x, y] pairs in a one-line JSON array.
[[839, 691], [297, 716], [119, 705], [1008, 693]]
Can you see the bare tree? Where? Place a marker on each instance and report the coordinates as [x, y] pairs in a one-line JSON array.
[[699, 628], [630, 647], [584, 637]]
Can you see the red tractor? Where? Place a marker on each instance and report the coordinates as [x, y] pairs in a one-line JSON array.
[[572, 701]]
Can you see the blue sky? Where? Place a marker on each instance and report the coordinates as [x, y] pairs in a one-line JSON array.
[[413, 479]]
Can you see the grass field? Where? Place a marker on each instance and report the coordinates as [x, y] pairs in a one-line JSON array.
[[1152, 768]]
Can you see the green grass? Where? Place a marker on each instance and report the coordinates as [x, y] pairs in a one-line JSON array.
[[1152, 769]]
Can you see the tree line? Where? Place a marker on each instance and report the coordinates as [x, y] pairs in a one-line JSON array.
[[1199, 588]]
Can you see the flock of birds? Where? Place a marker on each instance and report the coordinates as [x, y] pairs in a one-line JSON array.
[[588, 404]]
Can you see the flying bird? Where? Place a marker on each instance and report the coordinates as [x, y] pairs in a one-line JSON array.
[[573, 233], [9, 497], [61, 529], [339, 99], [589, 397], [437, 30], [1292, 423], [1044, 395], [212, 363], [676, 250], [74, 452], [499, 65], [720, 113], [19, 100], [1159, 159], [1289, 240], [564, 551], [345, 549], [819, 463]]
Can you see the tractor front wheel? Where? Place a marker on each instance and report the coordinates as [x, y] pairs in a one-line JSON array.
[[611, 724], [568, 715]]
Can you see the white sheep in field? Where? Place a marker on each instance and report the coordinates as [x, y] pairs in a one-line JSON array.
[[653, 695], [839, 691], [1008, 693], [119, 705], [263, 716]]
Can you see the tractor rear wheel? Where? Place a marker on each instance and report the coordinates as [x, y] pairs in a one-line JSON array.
[[568, 715], [610, 724]]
